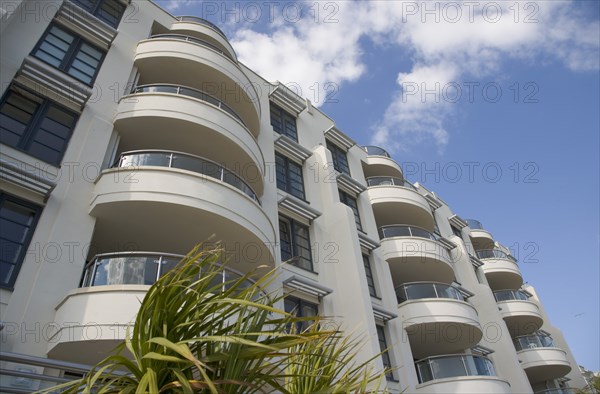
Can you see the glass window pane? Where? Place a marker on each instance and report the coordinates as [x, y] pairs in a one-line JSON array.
[[419, 291]]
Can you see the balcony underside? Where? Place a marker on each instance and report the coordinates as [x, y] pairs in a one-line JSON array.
[[187, 64], [400, 205], [541, 364], [172, 122], [381, 166], [502, 274], [521, 317], [170, 211], [482, 240], [439, 326], [413, 259]]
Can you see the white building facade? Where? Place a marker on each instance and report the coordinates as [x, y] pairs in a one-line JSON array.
[[130, 135]]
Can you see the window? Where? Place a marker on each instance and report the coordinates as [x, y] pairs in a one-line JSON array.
[[340, 160], [35, 125], [350, 201], [301, 308], [69, 53], [18, 219], [109, 11], [289, 176], [387, 363], [456, 231], [283, 123], [295, 243], [369, 274]]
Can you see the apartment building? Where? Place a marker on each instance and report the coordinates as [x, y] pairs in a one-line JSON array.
[[130, 135]]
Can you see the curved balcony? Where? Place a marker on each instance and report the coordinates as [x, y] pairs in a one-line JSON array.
[[480, 238], [396, 200], [201, 28], [380, 163], [183, 161], [501, 269], [90, 323], [166, 59], [437, 318], [459, 374], [522, 317], [174, 202], [540, 359], [185, 119], [414, 254]]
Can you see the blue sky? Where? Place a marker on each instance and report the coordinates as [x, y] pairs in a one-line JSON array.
[[493, 105]]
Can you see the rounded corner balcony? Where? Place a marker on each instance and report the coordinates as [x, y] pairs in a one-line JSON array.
[[179, 118], [90, 323], [481, 238], [395, 200], [522, 317], [501, 269], [205, 30], [414, 254], [540, 359], [380, 163], [187, 61], [173, 201], [460, 373], [437, 318]]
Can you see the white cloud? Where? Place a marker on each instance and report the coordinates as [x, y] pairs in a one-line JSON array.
[[445, 46], [174, 5]]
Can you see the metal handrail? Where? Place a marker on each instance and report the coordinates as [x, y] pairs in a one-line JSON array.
[[420, 233], [474, 224], [533, 341], [91, 267], [190, 92], [436, 294], [470, 369], [201, 21], [194, 40], [515, 295], [389, 181], [494, 254], [375, 151], [207, 167]]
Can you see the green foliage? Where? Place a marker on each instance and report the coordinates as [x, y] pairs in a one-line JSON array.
[[195, 334]]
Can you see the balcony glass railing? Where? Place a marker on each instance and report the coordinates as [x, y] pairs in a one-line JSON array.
[[440, 367], [194, 40], [494, 254], [140, 268], [533, 341], [420, 290], [375, 151], [474, 224], [200, 21], [508, 295], [187, 162], [398, 230], [190, 92], [389, 181]]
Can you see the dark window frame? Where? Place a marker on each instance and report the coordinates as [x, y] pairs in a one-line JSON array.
[[284, 123], [96, 8], [285, 172], [33, 127], [369, 275], [352, 202], [340, 158], [385, 357], [37, 211], [456, 231], [291, 227], [71, 53], [298, 309]]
